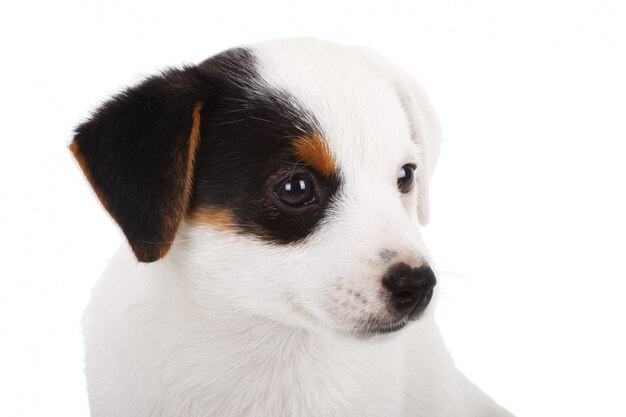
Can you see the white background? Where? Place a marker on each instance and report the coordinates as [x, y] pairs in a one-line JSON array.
[[528, 209]]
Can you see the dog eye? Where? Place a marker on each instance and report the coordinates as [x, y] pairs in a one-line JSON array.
[[296, 191], [406, 178]]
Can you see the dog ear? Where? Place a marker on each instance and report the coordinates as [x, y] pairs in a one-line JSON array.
[[137, 152], [425, 130]]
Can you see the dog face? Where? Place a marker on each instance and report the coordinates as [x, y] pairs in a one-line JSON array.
[[284, 179]]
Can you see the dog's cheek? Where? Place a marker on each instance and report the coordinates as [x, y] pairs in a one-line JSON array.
[[322, 281], [226, 271]]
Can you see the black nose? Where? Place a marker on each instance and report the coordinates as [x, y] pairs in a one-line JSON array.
[[411, 288]]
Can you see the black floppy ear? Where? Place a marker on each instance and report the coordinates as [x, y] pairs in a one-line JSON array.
[[138, 152]]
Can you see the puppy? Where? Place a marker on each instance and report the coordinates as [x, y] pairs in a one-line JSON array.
[[270, 199]]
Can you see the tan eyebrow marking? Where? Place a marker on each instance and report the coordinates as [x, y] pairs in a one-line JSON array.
[[313, 151]]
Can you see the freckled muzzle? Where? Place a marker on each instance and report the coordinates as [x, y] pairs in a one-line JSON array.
[[410, 289]]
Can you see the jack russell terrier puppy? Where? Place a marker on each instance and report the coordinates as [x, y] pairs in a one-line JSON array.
[[271, 198]]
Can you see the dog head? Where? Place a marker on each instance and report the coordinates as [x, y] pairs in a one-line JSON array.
[[283, 179]]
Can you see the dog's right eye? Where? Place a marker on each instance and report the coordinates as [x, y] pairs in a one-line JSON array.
[[296, 191]]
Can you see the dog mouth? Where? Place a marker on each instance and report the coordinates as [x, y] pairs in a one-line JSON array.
[[373, 329]]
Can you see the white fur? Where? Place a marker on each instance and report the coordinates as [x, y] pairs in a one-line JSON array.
[[227, 325]]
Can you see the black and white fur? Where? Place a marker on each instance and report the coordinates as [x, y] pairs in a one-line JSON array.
[[241, 304]]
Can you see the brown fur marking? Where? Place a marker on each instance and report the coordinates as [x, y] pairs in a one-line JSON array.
[[194, 141], [313, 151], [82, 163], [173, 211], [221, 218]]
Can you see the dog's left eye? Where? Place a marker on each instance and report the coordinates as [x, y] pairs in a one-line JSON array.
[[406, 178], [296, 191]]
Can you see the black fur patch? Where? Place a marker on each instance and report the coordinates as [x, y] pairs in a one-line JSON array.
[[247, 143], [135, 148]]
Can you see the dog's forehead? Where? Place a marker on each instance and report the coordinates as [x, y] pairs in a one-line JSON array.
[[356, 107]]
